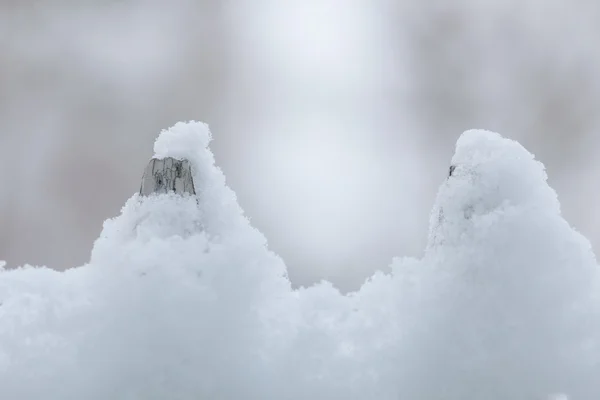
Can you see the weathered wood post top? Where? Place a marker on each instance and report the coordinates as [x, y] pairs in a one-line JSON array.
[[167, 175]]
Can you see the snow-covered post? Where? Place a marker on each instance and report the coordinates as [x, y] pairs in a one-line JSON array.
[[167, 175]]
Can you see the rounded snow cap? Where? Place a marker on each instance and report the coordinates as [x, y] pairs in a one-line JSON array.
[[488, 175]]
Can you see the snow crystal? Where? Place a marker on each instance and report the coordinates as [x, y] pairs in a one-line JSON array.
[[182, 299]]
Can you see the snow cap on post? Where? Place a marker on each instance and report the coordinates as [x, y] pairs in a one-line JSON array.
[[183, 141], [190, 141], [176, 149], [212, 210], [489, 175]]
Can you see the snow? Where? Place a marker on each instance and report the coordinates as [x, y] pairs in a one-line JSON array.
[[511, 307], [182, 299]]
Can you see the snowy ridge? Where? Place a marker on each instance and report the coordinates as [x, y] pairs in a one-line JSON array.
[[182, 299]]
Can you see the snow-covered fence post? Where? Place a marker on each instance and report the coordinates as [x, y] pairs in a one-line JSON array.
[[167, 175]]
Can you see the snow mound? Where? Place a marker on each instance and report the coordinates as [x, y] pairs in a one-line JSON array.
[[182, 299], [177, 302], [490, 175], [511, 287]]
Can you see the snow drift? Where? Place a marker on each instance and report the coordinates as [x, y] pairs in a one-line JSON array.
[[182, 299]]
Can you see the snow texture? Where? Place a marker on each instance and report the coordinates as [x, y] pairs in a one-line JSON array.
[[182, 299]]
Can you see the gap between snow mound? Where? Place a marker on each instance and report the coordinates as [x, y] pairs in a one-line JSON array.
[[182, 300]]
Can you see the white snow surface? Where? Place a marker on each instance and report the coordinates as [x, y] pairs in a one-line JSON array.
[[182, 299]]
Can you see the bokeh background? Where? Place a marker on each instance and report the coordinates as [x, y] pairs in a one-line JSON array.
[[333, 120]]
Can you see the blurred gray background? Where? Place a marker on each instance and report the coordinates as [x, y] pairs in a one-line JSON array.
[[334, 120]]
